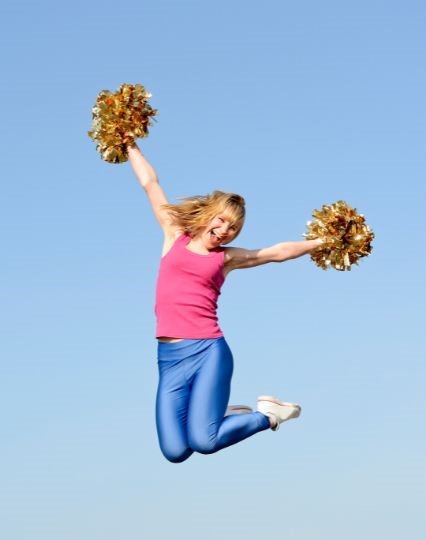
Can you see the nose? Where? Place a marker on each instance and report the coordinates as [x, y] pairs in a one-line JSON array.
[[223, 230]]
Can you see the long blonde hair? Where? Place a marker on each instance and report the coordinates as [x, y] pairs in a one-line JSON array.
[[196, 212]]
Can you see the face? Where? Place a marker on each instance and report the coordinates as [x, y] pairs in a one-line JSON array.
[[221, 230]]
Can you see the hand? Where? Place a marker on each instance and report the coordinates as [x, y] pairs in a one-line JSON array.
[[128, 139]]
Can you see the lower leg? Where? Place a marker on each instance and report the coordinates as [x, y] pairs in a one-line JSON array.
[[232, 430]]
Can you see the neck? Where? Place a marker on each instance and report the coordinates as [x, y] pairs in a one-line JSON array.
[[197, 246]]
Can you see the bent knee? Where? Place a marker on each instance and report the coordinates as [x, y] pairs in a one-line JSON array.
[[203, 445], [175, 455]]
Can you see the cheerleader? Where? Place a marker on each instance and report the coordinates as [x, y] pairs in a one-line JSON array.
[[194, 360]]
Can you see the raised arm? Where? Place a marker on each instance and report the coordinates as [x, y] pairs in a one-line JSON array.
[[147, 178], [244, 258]]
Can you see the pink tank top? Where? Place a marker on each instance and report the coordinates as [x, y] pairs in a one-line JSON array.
[[188, 287]]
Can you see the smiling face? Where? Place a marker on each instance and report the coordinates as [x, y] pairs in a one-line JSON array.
[[221, 230]]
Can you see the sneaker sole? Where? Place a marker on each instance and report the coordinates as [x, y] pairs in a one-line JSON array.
[[238, 409]]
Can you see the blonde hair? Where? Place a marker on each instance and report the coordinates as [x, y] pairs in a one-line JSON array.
[[196, 212]]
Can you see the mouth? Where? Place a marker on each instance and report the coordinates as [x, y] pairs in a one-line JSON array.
[[215, 236]]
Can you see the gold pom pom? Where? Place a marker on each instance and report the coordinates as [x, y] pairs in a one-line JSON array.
[[119, 119], [345, 235]]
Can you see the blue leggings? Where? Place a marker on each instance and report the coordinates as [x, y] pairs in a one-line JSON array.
[[192, 396]]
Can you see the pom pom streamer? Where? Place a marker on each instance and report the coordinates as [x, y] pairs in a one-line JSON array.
[[119, 119], [345, 235]]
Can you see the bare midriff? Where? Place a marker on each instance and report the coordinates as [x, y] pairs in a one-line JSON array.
[[169, 339]]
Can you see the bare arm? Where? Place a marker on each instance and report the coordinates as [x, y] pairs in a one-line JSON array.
[[244, 258], [147, 178]]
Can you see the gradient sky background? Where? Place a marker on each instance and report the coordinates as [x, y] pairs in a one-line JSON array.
[[293, 105]]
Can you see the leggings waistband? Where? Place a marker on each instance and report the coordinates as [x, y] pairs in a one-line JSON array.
[[185, 347]]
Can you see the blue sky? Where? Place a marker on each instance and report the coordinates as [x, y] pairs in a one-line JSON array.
[[293, 105]]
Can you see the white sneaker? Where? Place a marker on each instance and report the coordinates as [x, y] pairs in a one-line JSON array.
[[277, 410], [238, 409]]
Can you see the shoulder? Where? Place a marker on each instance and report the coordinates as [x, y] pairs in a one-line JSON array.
[[236, 257]]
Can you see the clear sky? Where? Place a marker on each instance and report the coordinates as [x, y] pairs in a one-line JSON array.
[[293, 105]]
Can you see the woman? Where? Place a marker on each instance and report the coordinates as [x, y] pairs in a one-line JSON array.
[[195, 362]]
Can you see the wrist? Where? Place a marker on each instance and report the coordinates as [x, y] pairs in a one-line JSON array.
[[314, 244]]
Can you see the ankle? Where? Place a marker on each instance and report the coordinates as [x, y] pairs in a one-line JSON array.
[[273, 422]]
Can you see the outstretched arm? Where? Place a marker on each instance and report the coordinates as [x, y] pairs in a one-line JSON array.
[[244, 258], [147, 178]]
